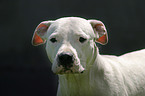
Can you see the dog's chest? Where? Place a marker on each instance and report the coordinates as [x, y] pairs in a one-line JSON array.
[[78, 86]]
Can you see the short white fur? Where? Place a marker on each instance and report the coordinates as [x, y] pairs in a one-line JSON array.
[[103, 75]]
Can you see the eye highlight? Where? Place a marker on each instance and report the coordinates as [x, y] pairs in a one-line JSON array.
[[53, 40], [82, 40]]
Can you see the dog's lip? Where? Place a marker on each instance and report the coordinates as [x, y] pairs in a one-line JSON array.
[[69, 72], [77, 68]]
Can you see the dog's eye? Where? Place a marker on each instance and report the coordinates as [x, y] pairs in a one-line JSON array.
[[82, 40], [53, 40]]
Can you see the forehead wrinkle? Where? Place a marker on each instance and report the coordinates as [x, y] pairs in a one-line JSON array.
[[67, 28], [72, 26]]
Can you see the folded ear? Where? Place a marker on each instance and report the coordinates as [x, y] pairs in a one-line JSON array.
[[100, 31], [39, 36]]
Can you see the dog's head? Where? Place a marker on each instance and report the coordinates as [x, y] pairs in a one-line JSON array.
[[70, 42]]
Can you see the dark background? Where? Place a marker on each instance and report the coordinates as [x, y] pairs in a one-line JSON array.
[[26, 71]]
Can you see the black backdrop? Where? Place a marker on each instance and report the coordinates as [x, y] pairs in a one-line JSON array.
[[25, 69]]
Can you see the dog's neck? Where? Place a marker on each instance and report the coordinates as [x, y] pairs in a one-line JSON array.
[[91, 61], [72, 83]]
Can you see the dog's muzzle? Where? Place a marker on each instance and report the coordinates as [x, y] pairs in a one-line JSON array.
[[66, 59], [67, 63]]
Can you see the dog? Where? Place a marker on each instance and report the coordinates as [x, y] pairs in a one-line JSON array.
[[71, 47]]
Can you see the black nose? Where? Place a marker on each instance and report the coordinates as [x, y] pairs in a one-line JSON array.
[[66, 59]]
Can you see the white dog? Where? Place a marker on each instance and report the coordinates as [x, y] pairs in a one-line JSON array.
[[81, 69]]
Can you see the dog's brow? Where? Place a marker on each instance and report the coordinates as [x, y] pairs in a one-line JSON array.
[[80, 34], [53, 35]]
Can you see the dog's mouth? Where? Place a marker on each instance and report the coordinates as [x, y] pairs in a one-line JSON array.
[[67, 63], [75, 68], [69, 71]]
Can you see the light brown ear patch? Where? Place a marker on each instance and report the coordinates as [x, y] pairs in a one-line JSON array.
[[41, 29], [39, 33], [100, 31], [99, 27], [103, 40], [37, 40]]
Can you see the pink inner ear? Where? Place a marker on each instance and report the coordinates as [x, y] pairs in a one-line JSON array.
[[41, 29], [99, 27], [37, 40], [103, 39]]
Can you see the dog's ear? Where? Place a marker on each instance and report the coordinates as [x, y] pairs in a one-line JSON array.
[[39, 36], [100, 31]]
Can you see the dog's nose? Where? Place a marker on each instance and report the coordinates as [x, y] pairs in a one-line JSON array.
[[66, 59]]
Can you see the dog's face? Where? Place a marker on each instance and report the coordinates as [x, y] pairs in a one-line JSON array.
[[70, 42]]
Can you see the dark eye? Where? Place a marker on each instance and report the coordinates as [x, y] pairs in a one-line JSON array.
[[82, 40], [53, 40]]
